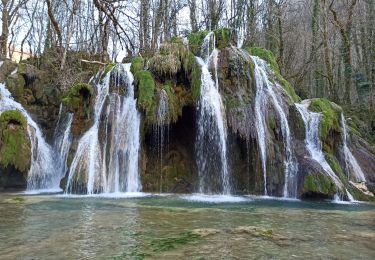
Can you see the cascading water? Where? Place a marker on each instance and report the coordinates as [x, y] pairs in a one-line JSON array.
[[265, 89], [211, 144], [352, 166], [44, 173], [113, 165], [63, 139], [159, 129], [313, 144]]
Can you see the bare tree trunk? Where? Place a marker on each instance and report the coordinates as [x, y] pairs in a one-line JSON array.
[[4, 29], [345, 32], [332, 92], [54, 22], [193, 15], [70, 29]]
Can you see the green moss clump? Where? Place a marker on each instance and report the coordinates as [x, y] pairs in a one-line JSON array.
[[194, 72], [178, 97], [196, 40], [223, 38], [336, 167], [265, 55], [271, 60], [164, 65], [15, 147], [331, 116], [16, 85], [137, 64], [320, 184], [359, 195], [79, 95], [146, 93], [164, 244], [107, 69], [13, 116]]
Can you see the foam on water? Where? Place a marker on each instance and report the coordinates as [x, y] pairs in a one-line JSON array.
[[198, 197]]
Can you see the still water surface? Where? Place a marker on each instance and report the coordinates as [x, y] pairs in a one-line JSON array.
[[181, 227]]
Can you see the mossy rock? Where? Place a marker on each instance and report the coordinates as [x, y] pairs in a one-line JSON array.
[[79, 96], [318, 184], [266, 55], [271, 60], [336, 167], [331, 116], [164, 65], [6, 69], [194, 72], [178, 97], [359, 195], [137, 64], [146, 93], [196, 40], [16, 85], [223, 38], [15, 146]]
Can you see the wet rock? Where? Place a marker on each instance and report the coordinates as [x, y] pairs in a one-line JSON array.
[[15, 150]]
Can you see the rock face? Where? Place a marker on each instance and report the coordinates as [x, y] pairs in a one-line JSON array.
[[15, 150], [167, 89]]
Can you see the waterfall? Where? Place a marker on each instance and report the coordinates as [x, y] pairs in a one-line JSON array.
[[211, 140], [352, 166], [63, 138], [265, 89], [44, 173], [159, 129], [313, 143], [110, 166]]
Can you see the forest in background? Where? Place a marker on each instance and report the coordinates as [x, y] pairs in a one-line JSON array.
[[325, 48]]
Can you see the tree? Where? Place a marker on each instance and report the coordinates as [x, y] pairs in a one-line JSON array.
[[9, 11], [345, 27]]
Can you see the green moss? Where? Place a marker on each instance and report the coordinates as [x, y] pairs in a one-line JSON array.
[[176, 39], [223, 38], [271, 60], [164, 65], [137, 65], [265, 55], [146, 93], [15, 148], [178, 97], [78, 95], [196, 40], [107, 69], [319, 183], [267, 233], [331, 116], [18, 199], [16, 85], [359, 195], [272, 122], [12, 115], [336, 167], [194, 72], [169, 243]]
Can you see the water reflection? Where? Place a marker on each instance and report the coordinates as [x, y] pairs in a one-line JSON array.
[[167, 227]]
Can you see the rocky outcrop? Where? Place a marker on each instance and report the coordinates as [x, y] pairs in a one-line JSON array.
[[173, 73], [15, 150]]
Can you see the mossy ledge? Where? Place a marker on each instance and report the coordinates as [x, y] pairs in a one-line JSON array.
[[269, 57], [15, 147], [137, 64], [146, 93], [331, 114], [318, 185], [78, 96]]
